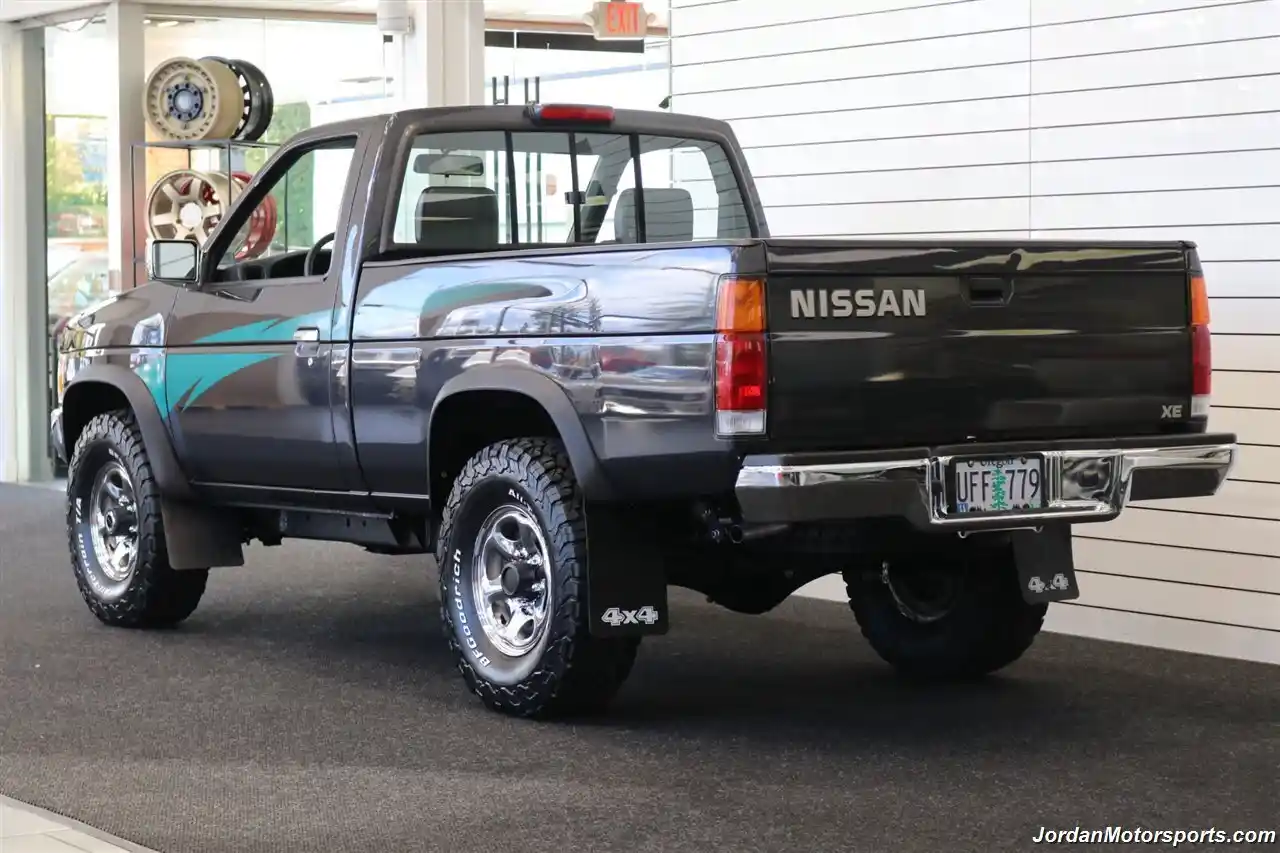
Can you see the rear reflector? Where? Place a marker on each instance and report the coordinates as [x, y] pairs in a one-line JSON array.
[[742, 365], [570, 114], [1201, 349]]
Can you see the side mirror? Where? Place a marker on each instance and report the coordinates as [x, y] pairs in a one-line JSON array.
[[174, 260]]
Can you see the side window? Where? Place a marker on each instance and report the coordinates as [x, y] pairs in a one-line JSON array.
[[303, 204], [456, 195], [453, 194]]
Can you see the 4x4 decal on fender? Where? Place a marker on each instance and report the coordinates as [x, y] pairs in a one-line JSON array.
[[617, 617]]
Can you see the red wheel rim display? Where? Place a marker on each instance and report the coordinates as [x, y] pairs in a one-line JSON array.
[[262, 222]]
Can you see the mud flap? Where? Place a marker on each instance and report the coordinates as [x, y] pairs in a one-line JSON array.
[[200, 537], [1046, 566], [626, 583]]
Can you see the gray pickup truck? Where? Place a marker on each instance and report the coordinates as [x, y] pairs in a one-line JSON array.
[[657, 393]]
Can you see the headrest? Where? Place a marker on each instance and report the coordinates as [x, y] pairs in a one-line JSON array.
[[668, 216], [458, 218]]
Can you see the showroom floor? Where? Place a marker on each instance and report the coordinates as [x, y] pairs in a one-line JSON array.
[[27, 829], [310, 705]]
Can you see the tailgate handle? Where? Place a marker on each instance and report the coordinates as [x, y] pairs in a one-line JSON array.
[[993, 292]]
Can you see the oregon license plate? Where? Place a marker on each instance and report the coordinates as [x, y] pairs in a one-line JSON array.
[[998, 485]]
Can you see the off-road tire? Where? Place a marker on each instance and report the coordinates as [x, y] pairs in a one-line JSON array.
[[989, 626], [571, 672], [155, 595]]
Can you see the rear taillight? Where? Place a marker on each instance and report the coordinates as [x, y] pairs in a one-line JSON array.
[[742, 364], [1201, 349]]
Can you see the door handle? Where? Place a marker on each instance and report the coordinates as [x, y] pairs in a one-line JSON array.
[[306, 342]]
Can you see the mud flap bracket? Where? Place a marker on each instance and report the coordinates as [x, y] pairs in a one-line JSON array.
[[626, 582], [1046, 565]]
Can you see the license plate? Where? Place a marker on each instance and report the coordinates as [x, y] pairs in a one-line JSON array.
[[998, 485]]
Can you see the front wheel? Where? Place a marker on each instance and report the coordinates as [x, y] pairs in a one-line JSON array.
[[944, 618], [116, 532], [512, 560]]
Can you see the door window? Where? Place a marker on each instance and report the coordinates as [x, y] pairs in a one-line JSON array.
[[303, 205]]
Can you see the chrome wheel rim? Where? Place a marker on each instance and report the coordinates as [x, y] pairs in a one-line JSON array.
[[511, 580], [113, 522]]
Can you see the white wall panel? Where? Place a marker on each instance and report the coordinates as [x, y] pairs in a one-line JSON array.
[[1247, 317], [1103, 120], [1167, 65], [1246, 352], [1180, 601], [924, 152], [900, 217], [1225, 242], [1259, 464], [1251, 426], [1236, 498], [1180, 565], [926, 87], [1194, 25], [1166, 101], [1119, 138], [991, 181], [1119, 210], [1261, 278], [1213, 532], [1137, 174], [1261, 390], [955, 52], [857, 30], [1047, 12], [885, 123]]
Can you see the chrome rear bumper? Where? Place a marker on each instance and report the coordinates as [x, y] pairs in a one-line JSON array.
[[1085, 482]]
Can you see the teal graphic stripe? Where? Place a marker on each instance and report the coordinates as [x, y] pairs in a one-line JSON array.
[[180, 378], [275, 331], [188, 375]]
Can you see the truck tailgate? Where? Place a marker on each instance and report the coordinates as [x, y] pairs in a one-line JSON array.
[[897, 344]]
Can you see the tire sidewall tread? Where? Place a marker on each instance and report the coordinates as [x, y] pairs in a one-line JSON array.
[[573, 672], [990, 627], [155, 594]]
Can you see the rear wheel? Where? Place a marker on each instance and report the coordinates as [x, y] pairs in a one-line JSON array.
[[512, 560], [954, 619], [116, 533]]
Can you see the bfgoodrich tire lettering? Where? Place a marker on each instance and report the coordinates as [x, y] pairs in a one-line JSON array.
[[564, 670], [145, 592], [985, 626]]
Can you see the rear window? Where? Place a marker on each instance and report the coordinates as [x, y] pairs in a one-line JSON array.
[[467, 192]]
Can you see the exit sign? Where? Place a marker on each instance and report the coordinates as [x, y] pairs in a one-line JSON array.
[[619, 19]]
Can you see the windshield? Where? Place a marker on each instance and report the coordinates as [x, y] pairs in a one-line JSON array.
[[484, 189]]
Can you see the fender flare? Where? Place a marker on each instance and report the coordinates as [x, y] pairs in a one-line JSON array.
[[198, 536], [554, 401], [168, 471]]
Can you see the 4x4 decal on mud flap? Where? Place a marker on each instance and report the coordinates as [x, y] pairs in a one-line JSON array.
[[1059, 582], [616, 616]]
